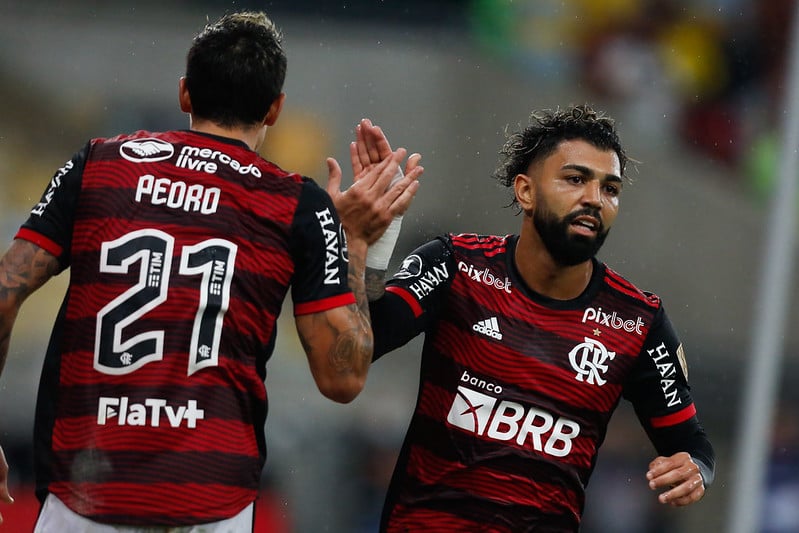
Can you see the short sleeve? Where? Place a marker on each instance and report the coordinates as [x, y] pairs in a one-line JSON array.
[[50, 222], [319, 250]]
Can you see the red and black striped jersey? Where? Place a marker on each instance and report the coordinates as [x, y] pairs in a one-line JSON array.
[[181, 248], [516, 389]]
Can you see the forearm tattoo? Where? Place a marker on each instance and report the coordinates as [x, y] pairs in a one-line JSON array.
[[350, 353], [375, 283], [24, 268], [353, 349]]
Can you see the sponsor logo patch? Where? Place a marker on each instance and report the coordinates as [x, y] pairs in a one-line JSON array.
[[208, 161], [507, 421], [485, 277], [334, 248], [488, 327], [146, 150], [55, 183], [668, 373], [612, 320], [411, 268], [152, 412]]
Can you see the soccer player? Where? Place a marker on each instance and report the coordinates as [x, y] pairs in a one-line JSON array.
[[530, 344], [182, 246]]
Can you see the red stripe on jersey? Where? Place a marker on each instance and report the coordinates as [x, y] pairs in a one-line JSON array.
[[416, 308], [307, 308], [223, 436], [674, 418], [147, 507], [39, 240], [491, 244], [616, 281], [487, 483], [404, 519]]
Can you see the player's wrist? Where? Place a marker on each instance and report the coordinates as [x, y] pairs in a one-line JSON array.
[[379, 254]]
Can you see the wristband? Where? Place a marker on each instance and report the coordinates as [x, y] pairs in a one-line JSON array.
[[379, 253]]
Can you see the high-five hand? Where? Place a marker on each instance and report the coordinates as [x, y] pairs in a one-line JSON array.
[[366, 208]]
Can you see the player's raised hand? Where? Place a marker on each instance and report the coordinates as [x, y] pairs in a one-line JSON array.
[[5, 497], [366, 208], [371, 146], [680, 475]]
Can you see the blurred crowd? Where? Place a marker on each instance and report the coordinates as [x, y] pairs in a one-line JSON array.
[[711, 72]]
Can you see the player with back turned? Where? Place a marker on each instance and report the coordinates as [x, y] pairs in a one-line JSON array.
[[530, 344], [181, 247]]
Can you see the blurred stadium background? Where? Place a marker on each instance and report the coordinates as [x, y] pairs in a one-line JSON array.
[[695, 85]]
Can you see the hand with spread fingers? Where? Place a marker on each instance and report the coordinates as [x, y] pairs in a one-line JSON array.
[[680, 475]]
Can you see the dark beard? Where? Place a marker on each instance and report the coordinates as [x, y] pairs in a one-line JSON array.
[[565, 249]]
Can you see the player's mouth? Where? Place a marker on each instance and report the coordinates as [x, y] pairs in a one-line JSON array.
[[586, 225]]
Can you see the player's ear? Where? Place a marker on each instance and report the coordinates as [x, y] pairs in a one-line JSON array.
[[524, 189], [183, 96], [274, 110]]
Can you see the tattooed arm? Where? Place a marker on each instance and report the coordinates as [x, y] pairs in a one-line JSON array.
[[338, 342], [375, 283], [24, 268]]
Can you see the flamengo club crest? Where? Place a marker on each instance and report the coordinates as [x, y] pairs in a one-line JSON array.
[[589, 359]]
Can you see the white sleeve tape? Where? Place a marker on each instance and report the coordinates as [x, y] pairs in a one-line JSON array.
[[379, 254]]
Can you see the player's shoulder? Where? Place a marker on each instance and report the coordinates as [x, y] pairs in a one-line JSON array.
[[622, 285], [479, 243], [189, 147], [137, 146], [138, 135]]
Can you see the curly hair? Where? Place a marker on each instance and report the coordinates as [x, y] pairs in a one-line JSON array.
[[546, 131]]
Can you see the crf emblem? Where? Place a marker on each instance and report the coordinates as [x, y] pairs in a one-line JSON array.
[[590, 359]]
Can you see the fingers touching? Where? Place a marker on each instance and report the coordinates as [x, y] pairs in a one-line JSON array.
[[370, 146], [367, 207]]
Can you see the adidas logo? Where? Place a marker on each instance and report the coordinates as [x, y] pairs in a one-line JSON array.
[[489, 327]]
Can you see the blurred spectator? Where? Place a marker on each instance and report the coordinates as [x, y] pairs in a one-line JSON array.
[[713, 69], [528, 34], [374, 454], [780, 510]]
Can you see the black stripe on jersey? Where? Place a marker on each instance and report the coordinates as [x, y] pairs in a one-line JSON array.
[[144, 468], [490, 513]]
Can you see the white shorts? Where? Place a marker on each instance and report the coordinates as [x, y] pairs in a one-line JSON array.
[[56, 517]]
